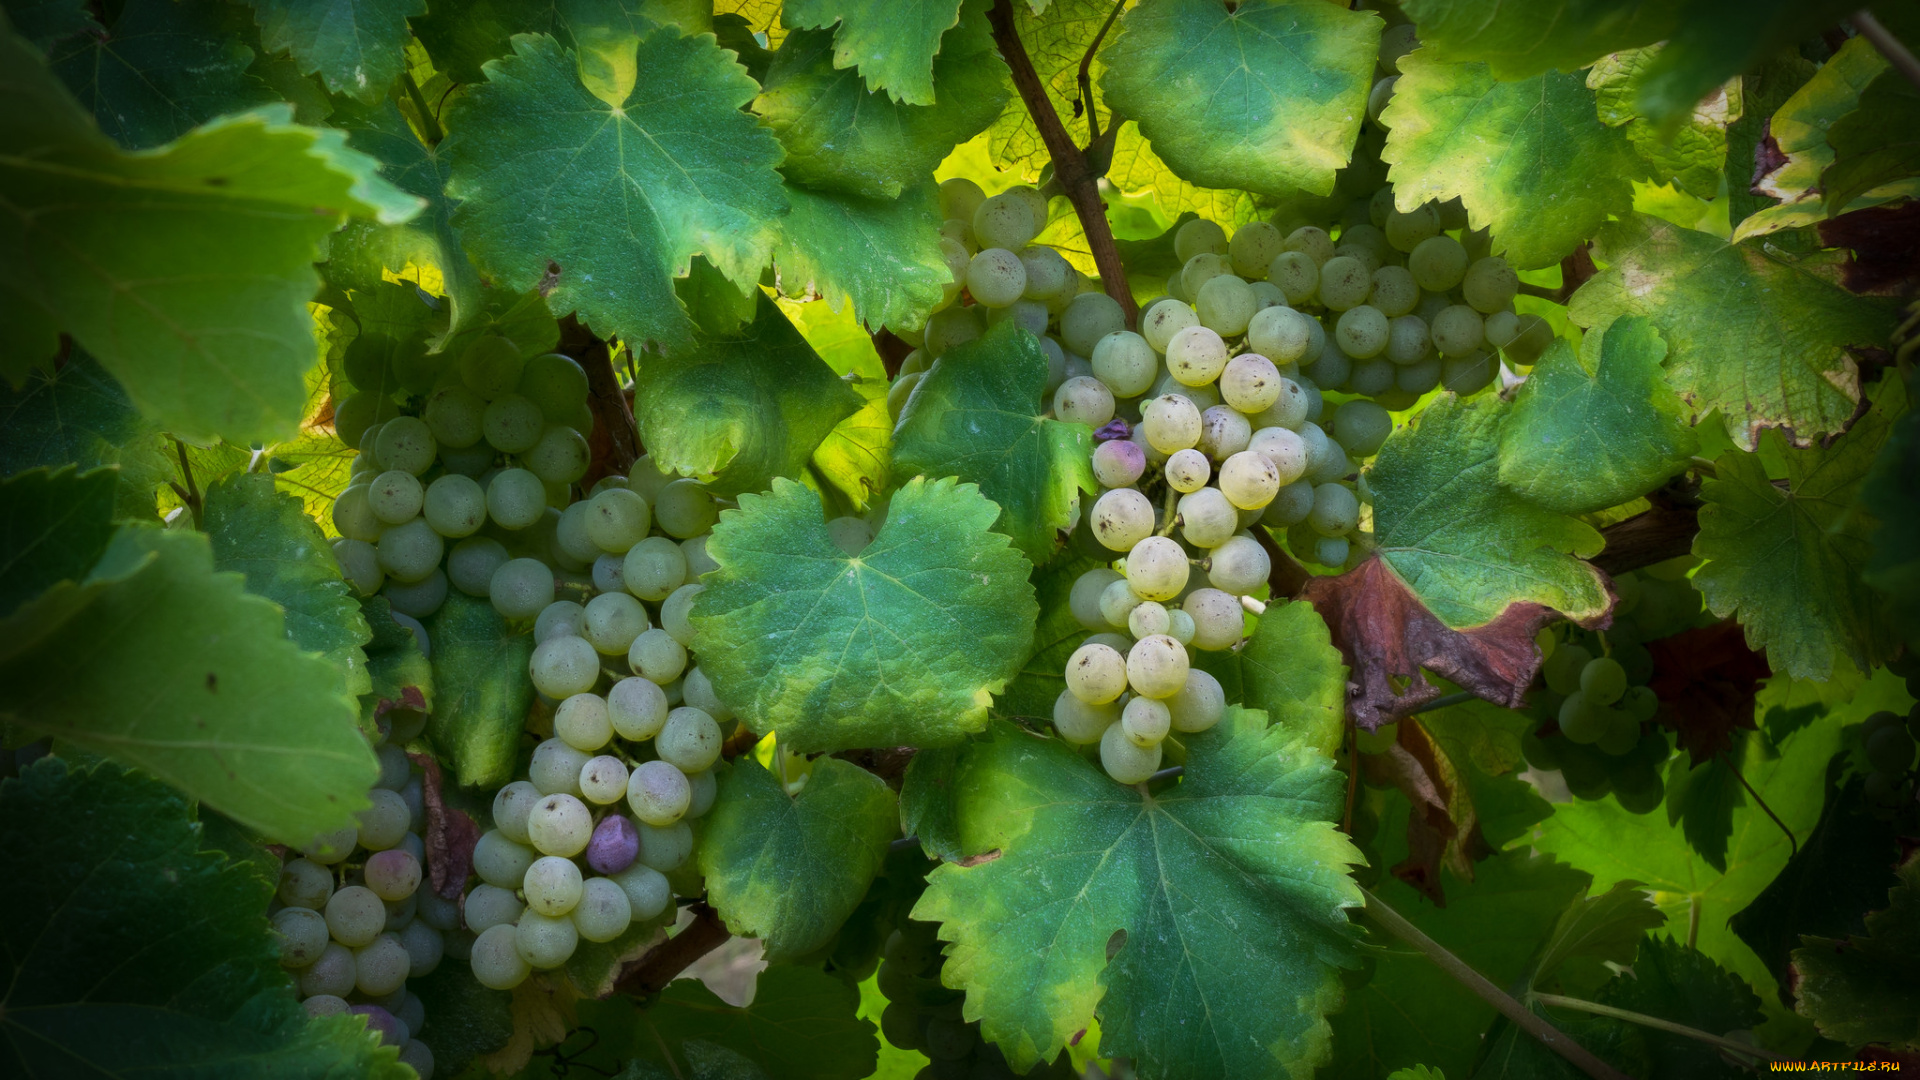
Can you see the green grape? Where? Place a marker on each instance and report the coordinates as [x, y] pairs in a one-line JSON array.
[[1585, 770], [1539, 753], [1312, 240], [559, 824], [617, 519], [488, 906], [355, 916], [1407, 340], [1372, 377], [1225, 303], [1344, 283], [332, 975], [1362, 427], [560, 457], [1640, 703], [1397, 42], [1336, 511], [1377, 101], [562, 618], [496, 960], [511, 805], [395, 496], [474, 461], [1238, 566], [1362, 332], [1890, 749], [1147, 619], [381, 966], [1157, 667], [411, 551], [570, 536], [665, 849], [405, 443], [1196, 355], [1125, 363], [1088, 318], [302, 935], [1469, 374], [1394, 292], [1250, 383], [1085, 598], [1197, 270], [698, 692], [556, 383], [1249, 480], [522, 588], [675, 611], [604, 912], [637, 709], [654, 568], [1083, 400], [1187, 470], [543, 942], [552, 886], [1252, 249], [516, 499], [1163, 320], [1331, 550], [1406, 232], [1290, 505], [1096, 674], [1170, 422], [1124, 761], [685, 509], [563, 666], [1005, 221], [1156, 568], [1415, 380], [491, 366], [455, 506], [1291, 404], [647, 890], [555, 766], [1199, 704], [1122, 518], [1197, 236], [1081, 723], [1622, 732], [1224, 432], [1438, 263], [1117, 602], [1490, 284], [949, 327], [1208, 519], [1296, 274], [385, 822], [1331, 369], [304, 884], [581, 722], [603, 780], [996, 277], [1581, 721], [417, 599], [658, 792], [1562, 669], [657, 657], [613, 622], [500, 862], [1639, 790], [359, 564], [1603, 680], [512, 424], [1458, 331], [1145, 722], [690, 740], [1888, 789], [361, 412], [960, 197], [1047, 272]]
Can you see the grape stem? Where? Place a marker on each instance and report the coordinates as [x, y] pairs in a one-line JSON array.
[[1655, 1022], [659, 965], [1792, 842], [429, 123], [1522, 1017], [189, 495], [611, 413], [1071, 167], [1890, 47], [1086, 77]]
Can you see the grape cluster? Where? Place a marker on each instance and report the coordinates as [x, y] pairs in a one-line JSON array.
[[351, 917], [1887, 739], [490, 466]]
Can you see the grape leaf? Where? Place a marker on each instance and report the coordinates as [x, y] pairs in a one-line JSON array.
[[469, 1020], [1055, 37], [1701, 796], [705, 1061], [1266, 96], [1692, 154], [840, 137], [892, 43], [1615, 845], [543, 166], [80, 415], [130, 949], [1874, 144], [740, 409], [1762, 340], [1718, 39], [1293, 673], [1764, 91], [399, 673], [44, 22], [790, 869], [1042, 675], [1771, 550], [1597, 430], [1507, 150], [978, 414], [1861, 990], [802, 1024], [162, 68], [1891, 492], [179, 671], [357, 46], [1523, 40], [1592, 932], [267, 536], [1511, 1054], [1799, 152], [903, 644], [482, 689], [883, 257], [1707, 677], [1467, 548], [1678, 984], [1246, 839], [461, 38], [54, 526], [185, 270], [856, 456]]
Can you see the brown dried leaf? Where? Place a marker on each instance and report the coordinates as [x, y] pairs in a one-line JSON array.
[[1883, 240], [1706, 679], [1442, 828], [451, 834]]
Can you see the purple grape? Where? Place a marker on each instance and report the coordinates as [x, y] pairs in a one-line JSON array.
[[382, 1021], [1118, 463], [1117, 428], [615, 844]]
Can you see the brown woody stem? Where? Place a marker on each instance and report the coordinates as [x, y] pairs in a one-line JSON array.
[[1890, 47], [1071, 170], [659, 965], [1662, 533], [608, 401]]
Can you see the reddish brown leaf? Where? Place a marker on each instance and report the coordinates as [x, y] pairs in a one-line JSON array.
[[411, 697], [450, 837], [1384, 632], [1767, 159], [1883, 240], [1442, 828], [1706, 679]]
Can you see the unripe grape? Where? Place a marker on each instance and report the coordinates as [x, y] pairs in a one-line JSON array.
[[654, 568], [1252, 248], [658, 793], [604, 912], [1239, 566], [1469, 374], [1290, 505], [1490, 284], [355, 916], [395, 496], [1344, 282], [1362, 427], [1438, 263], [1249, 480], [1207, 517], [302, 936], [1296, 274], [1196, 355], [1362, 332], [359, 563], [453, 416], [1047, 272], [1284, 448], [496, 960], [1199, 235], [1250, 382], [1217, 619], [516, 498], [1088, 318], [1331, 550], [381, 966], [1078, 722], [950, 327], [491, 366], [1125, 363], [996, 277], [405, 443], [1005, 221], [1186, 470], [1028, 315], [1407, 340], [1458, 331], [1096, 674], [411, 551], [668, 848], [1335, 510], [1224, 432], [1225, 303], [552, 885], [1371, 377], [1083, 400], [545, 942], [1603, 680], [685, 509], [617, 519], [581, 722], [690, 740], [1121, 518], [1117, 602], [564, 666], [647, 890], [1170, 423], [1124, 761], [560, 824], [560, 456], [1145, 722], [512, 424], [1118, 463], [1157, 568], [1409, 230], [1199, 704], [522, 589]]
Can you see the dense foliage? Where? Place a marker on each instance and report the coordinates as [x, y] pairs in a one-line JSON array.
[[1163, 538]]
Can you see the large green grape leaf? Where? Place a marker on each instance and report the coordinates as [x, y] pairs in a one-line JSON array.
[[265, 535], [1042, 675], [1861, 989], [461, 38], [1245, 840], [1529, 159], [1679, 984], [1464, 545], [80, 415], [162, 68], [902, 644], [357, 46], [1798, 126], [739, 409], [1788, 558], [602, 205], [1764, 91], [1875, 144], [1599, 429], [802, 1024], [882, 257], [1694, 153], [54, 526], [180, 671], [978, 415], [45, 22], [132, 950], [1056, 38], [1763, 340], [482, 689], [892, 43], [790, 869], [1293, 673], [1615, 845], [1522, 40], [184, 270], [841, 137], [1718, 39], [1265, 96], [856, 457], [1891, 492]]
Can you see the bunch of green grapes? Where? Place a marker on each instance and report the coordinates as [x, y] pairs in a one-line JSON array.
[[1887, 739], [353, 919], [923, 1014]]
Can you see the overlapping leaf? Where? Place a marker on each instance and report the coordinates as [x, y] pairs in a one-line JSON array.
[[602, 205], [856, 456], [903, 644], [1246, 839], [461, 38], [81, 416], [357, 46], [131, 949], [740, 409], [1522, 40], [892, 43], [1530, 159], [1265, 96], [882, 257], [1891, 492], [1798, 127], [1875, 144], [1596, 430], [978, 415], [54, 526], [1860, 990], [1763, 340], [1788, 560], [1679, 984], [482, 689], [790, 869], [1292, 672], [1692, 154]]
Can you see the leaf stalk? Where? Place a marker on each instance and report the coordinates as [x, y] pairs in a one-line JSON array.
[[1597, 1009]]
